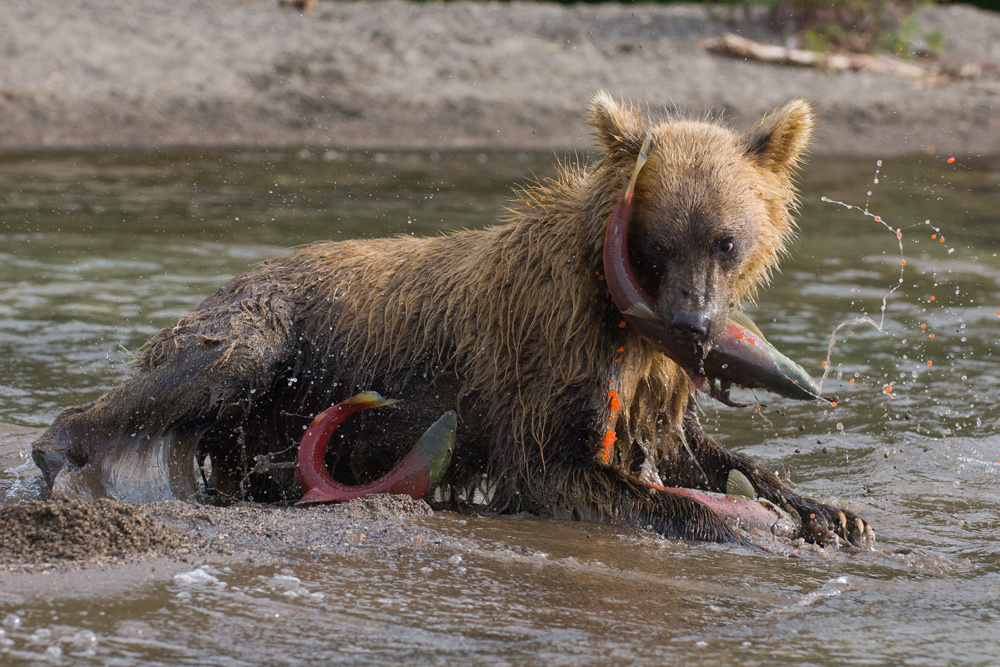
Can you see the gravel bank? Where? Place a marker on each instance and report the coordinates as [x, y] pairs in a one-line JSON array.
[[148, 73]]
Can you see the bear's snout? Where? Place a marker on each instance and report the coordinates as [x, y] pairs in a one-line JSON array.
[[690, 325]]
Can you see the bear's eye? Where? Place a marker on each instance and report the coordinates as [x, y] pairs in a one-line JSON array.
[[725, 246], [656, 255], [659, 254]]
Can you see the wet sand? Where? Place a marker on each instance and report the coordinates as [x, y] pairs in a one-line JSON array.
[[443, 75], [71, 530], [72, 549]]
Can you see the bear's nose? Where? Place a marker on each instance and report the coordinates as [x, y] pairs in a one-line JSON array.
[[691, 325]]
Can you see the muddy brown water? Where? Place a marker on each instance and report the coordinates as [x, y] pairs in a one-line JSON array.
[[97, 252]]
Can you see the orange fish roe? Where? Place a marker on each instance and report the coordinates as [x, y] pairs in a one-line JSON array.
[[942, 239], [950, 160], [888, 389], [902, 262], [899, 234], [609, 440], [620, 350], [878, 218], [932, 335], [851, 380], [616, 405], [933, 298], [622, 324], [833, 404], [930, 363], [923, 326]]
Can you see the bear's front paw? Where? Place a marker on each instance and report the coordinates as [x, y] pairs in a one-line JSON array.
[[824, 524]]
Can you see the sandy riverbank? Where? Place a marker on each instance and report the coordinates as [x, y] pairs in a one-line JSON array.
[[410, 75]]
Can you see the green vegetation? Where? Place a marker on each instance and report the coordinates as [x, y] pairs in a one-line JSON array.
[[861, 26]]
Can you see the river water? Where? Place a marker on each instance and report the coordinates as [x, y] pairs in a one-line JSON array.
[[99, 251]]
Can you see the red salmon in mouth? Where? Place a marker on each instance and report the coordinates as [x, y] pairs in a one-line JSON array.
[[737, 355]]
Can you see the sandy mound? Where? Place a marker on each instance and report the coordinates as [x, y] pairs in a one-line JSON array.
[[54, 530]]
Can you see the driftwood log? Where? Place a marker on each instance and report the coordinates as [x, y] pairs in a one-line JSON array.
[[741, 47]]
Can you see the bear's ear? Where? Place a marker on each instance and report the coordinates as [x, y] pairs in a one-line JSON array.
[[779, 139], [618, 126]]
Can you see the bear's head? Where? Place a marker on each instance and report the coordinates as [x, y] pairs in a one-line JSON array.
[[711, 212]]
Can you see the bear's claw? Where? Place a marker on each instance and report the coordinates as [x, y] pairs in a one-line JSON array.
[[824, 524]]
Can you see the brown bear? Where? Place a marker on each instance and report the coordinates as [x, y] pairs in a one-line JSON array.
[[564, 410]]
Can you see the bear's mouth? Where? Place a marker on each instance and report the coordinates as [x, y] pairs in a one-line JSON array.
[[737, 355]]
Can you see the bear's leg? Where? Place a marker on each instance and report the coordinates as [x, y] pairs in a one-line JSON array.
[[604, 495], [819, 522], [137, 443]]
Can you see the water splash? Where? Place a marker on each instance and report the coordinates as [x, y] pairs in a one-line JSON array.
[[865, 318]]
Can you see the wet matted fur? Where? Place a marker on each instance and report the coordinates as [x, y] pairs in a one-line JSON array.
[[512, 326]]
